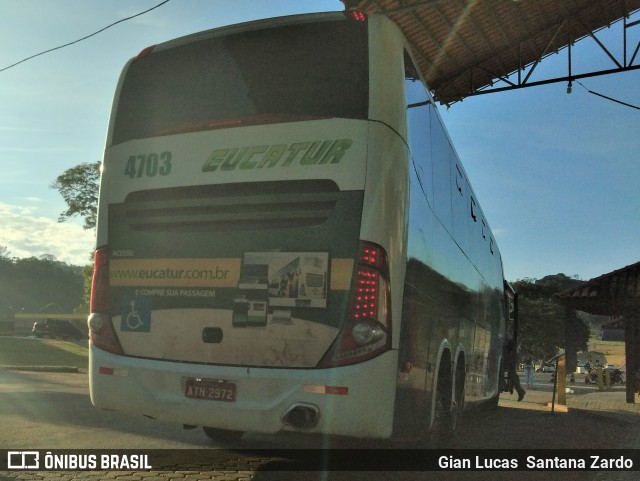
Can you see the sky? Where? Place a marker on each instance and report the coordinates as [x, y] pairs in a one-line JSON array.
[[557, 174]]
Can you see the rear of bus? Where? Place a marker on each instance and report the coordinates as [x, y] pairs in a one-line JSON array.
[[236, 285]]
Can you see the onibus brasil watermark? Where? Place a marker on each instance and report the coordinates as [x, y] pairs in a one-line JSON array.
[[53, 461]]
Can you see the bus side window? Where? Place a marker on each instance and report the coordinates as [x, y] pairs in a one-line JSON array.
[[441, 152], [418, 126], [460, 211]]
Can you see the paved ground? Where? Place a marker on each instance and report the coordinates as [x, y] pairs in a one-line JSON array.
[[541, 400], [595, 420]]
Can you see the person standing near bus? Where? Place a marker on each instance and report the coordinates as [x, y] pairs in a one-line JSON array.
[[528, 370], [511, 358]]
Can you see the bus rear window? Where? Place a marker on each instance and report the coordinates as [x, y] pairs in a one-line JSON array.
[[274, 75]]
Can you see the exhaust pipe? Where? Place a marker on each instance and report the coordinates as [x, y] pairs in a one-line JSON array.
[[302, 416]]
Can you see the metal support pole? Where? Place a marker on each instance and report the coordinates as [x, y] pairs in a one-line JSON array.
[[624, 41], [559, 383], [569, 58], [555, 388], [561, 380], [600, 374], [632, 353]]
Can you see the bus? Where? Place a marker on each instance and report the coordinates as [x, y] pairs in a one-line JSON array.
[[248, 160]]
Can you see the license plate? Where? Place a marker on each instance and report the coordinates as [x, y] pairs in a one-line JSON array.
[[210, 390]]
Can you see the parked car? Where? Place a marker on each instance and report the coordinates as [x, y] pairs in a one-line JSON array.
[[54, 328], [547, 367]]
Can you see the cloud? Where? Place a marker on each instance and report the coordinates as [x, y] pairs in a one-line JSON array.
[[500, 232], [26, 234]]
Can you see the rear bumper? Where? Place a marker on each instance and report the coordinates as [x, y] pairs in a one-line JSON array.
[[264, 395]]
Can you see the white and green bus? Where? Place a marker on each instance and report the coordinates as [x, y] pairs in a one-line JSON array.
[[287, 239]]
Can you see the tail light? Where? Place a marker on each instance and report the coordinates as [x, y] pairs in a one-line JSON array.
[[357, 15], [367, 329], [101, 332], [100, 283], [145, 52]]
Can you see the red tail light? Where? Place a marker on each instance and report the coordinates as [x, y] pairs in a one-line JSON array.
[[100, 283], [145, 51], [358, 16], [367, 330], [101, 332]]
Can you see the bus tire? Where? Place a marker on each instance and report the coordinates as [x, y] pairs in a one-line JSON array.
[[440, 434], [457, 406], [225, 436]]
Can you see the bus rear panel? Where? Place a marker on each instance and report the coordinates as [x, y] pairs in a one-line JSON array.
[[287, 239], [232, 287]]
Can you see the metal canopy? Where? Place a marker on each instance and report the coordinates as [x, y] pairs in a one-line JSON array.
[[464, 46], [613, 294]]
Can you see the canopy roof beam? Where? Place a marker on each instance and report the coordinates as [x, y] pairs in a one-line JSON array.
[[472, 47], [524, 73]]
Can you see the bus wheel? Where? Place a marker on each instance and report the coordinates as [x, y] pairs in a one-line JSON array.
[[440, 435], [222, 435], [457, 406]]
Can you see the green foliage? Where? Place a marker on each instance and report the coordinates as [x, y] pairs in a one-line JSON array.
[[546, 287], [541, 328], [37, 284], [79, 189], [87, 273]]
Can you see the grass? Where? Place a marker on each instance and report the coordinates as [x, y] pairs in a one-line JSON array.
[[42, 354], [613, 350]]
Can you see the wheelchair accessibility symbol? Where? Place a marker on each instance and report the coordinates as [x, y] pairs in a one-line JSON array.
[[136, 314]]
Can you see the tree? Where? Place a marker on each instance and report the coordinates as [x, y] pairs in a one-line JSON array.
[[31, 283], [79, 189], [541, 328]]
